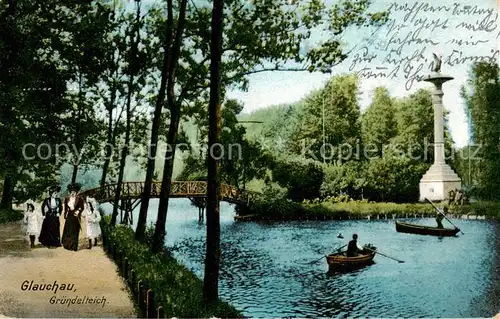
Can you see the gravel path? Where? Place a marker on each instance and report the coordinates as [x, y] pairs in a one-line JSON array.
[[97, 289]]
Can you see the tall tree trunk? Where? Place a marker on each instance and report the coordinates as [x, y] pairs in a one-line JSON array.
[[12, 46], [76, 157], [130, 88], [125, 152], [110, 139], [8, 192], [175, 112], [143, 212], [111, 136], [212, 259], [159, 234]]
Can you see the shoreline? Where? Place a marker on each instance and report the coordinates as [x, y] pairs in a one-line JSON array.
[[256, 217], [284, 210]]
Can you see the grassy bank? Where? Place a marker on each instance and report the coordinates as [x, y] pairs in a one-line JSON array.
[[10, 215], [281, 209], [176, 289]]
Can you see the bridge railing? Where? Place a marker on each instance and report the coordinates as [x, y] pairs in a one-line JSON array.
[[228, 193]]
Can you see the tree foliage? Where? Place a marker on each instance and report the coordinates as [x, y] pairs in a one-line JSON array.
[[379, 124], [336, 106], [384, 153], [33, 100], [302, 180], [482, 100], [242, 159]]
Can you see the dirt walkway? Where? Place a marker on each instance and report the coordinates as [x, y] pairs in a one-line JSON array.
[[96, 291]]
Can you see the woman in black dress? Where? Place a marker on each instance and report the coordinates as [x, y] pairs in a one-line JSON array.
[[73, 208], [50, 234]]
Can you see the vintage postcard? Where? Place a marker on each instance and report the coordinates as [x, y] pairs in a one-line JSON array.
[[249, 159]]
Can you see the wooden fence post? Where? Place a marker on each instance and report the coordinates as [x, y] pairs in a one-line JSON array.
[[140, 298], [150, 304], [139, 284], [160, 312], [143, 295], [125, 268], [120, 259], [132, 279], [108, 245]]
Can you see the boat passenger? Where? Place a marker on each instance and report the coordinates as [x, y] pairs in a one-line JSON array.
[[352, 247]]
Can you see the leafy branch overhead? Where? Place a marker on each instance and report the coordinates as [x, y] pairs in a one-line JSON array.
[[261, 36], [283, 35]]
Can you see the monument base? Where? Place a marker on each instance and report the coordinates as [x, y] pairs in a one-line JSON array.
[[438, 181]]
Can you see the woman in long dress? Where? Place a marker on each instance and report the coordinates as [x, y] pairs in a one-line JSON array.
[[50, 234], [92, 219], [73, 208], [33, 219]]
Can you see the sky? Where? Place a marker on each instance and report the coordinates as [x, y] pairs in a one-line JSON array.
[[443, 38], [454, 29]]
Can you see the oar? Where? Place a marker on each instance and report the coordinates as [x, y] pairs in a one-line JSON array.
[[340, 248], [312, 262], [439, 211], [375, 251]]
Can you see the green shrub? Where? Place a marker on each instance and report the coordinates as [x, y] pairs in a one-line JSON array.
[[302, 180], [10, 215], [342, 207], [343, 198], [487, 208], [149, 235]]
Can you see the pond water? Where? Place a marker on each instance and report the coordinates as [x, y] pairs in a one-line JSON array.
[[268, 269]]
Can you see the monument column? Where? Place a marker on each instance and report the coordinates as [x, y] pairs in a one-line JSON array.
[[440, 178], [437, 101]]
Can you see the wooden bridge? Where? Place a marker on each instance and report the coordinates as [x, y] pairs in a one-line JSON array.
[[196, 191]]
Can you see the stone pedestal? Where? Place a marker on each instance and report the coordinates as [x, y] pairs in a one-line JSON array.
[[438, 181], [440, 178]]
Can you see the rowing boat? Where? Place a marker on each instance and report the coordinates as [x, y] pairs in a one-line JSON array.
[[403, 227], [339, 261]]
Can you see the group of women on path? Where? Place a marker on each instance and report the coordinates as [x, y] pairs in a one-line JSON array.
[[47, 224]]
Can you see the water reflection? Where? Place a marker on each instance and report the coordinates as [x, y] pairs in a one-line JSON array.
[[338, 271], [266, 268]]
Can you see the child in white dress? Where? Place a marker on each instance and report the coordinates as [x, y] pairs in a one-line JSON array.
[[33, 218], [92, 219]]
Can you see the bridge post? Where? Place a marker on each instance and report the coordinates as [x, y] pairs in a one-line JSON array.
[[127, 208], [121, 211], [129, 212], [201, 214], [201, 203]]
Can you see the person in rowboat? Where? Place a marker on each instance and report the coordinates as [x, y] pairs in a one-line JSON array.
[[352, 247], [439, 218]]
